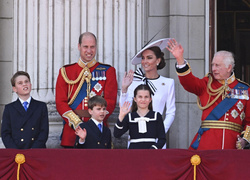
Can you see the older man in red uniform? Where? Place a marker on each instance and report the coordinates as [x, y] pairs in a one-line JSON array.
[[77, 82], [223, 99]]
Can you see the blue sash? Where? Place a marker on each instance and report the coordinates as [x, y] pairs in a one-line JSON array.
[[217, 113], [83, 93]]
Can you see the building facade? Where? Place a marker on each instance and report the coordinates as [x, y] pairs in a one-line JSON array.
[[41, 36]]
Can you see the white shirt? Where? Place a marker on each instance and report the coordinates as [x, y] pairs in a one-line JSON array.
[[28, 100], [164, 97], [182, 65], [96, 122]]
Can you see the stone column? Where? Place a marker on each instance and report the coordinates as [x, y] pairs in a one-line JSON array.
[[46, 38], [6, 51]]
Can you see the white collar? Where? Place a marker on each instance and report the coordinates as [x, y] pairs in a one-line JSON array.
[[28, 100], [96, 122]]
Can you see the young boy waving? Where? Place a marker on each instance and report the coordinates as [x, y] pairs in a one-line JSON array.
[[92, 134]]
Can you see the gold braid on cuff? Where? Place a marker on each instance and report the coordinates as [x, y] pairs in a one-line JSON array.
[[73, 119], [247, 134]]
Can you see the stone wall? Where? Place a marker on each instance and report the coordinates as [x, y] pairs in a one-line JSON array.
[[122, 28]]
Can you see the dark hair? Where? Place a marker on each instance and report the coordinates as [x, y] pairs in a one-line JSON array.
[[18, 73], [86, 34], [96, 100], [145, 88], [159, 54]]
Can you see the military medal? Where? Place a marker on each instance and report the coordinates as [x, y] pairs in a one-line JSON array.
[[104, 75], [232, 93], [101, 78], [92, 94], [98, 87], [97, 77], [234, 114], [242, 115], [93, 76], [240, 106], [245, 94], [239, 94]]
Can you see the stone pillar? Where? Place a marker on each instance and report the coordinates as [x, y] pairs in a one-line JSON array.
[[6, 51], [46, 38], [187, 26]]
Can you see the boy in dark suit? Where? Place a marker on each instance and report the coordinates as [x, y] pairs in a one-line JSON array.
[[25, 121], [92, 134]]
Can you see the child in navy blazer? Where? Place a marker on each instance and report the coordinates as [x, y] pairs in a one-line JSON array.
[[25, 121], [92, 134]]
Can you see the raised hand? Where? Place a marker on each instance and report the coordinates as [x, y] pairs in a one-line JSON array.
[[240, 143], [127, 80], [177, 51], [125, 109], [82, 133]]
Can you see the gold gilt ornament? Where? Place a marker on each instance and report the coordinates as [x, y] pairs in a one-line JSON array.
[[195, 161], [20, 159]]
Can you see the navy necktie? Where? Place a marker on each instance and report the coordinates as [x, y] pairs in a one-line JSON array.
[[25, 105], [100, 127]]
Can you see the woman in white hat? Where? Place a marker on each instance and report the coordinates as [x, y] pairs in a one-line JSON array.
[[163, 93]]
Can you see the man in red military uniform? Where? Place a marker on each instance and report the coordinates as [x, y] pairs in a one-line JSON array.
[[77, 82], [223, 99]]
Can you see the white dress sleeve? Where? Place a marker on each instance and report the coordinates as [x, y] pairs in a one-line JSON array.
[[170, 106]]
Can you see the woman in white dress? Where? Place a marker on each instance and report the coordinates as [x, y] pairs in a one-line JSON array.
[[162, 88]]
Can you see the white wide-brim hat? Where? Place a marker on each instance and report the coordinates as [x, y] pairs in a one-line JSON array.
[[161, 43]]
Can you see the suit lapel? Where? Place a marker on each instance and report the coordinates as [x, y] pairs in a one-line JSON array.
[[104, 131], [23, 115], [19, 107], [32, 107], [94, 127]]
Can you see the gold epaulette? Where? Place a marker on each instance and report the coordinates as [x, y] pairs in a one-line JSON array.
[[246, 135], [73, 119], [104, 64], [243, 82]]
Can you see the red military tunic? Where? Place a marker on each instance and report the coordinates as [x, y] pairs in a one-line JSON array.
[[215, 138], [106, 87]]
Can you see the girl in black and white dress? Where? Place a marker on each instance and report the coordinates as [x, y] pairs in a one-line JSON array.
[[145, 126]]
